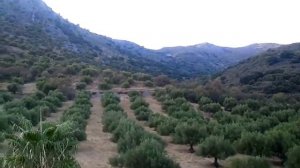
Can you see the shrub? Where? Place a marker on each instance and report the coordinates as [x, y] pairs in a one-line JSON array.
[[5, 97], [251, 162], [149, 154], [104, 86], [80, 85], [240, 109], [149, 83], [205, 100], [167, 126], [87, 79], [142, 113], [13, 88], [125, 85], [138, 102], [229, 103], [212, 107], [293, 157]]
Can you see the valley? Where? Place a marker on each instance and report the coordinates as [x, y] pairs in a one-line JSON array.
[[72, 98]]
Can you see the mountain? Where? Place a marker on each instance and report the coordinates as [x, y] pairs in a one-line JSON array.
[[31, 26], [209, 58], [276, 70]]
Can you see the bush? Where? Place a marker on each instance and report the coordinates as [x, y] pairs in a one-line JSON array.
[[142, 113], [138, 102], [5, 97], [149, 83], [104, 86], [149, 154], [205, 100], [240, 109], [212, 107], [87, 80], [167, 126], [125, 85], [14, 88], [229, 103], [80, 85], [251, 162], [293, 157]]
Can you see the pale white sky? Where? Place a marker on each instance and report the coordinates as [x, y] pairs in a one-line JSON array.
[[160, 23]]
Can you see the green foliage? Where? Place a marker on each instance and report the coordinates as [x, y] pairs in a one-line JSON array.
[[240, 109], [87, 80], [149, 154], [217, 147], [125, 85], [138, 102], [293, 157], [251, 162], [254, 143], [14, 88], [80, 85], [189, 133], [212, 107], [89, 72], [205, 100], [149, 83], [229, 103], [105, 86], [137, 147], [51, 147], [167, 126], [5, 97], [75, 117]]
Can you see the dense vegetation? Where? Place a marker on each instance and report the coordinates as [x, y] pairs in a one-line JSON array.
[[262, 128]]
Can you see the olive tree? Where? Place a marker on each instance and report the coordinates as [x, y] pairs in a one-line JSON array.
[[189, 134], [217, 147]]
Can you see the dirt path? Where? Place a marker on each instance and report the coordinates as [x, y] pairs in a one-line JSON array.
[[154, 105], [29, 88], [178, 153], [97, 149], [55, 117]]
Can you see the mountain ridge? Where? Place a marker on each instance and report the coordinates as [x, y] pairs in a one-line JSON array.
[[33, 26]]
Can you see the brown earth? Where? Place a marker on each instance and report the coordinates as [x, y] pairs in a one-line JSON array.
[[55, 117], [96, 151], [29, 88]]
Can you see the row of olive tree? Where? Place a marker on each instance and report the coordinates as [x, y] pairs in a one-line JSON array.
[[137, 147]]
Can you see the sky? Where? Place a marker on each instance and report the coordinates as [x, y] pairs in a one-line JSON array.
[[163, 23]]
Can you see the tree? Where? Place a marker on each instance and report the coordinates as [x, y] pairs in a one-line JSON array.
[[253, 143], [149, 154], [229, 103], [190, 133], [216, 147], [13, 88], [212, 107], [293, 157]]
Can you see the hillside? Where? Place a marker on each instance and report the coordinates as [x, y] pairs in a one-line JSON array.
[[276, 70], [32, 27], [209, 58]]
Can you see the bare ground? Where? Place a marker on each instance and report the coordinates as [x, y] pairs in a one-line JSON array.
[[55, 117], [154, 105], [178, 153], [96, 151], [29, 88]]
